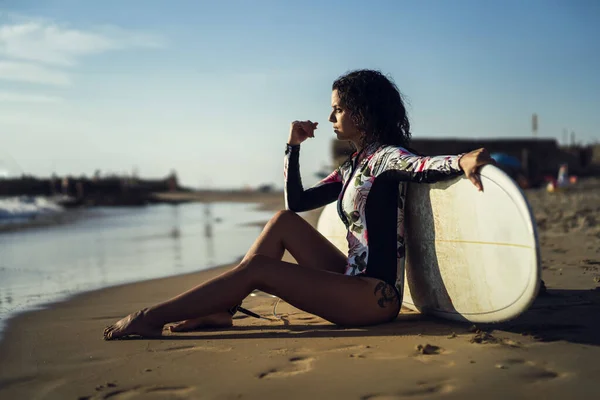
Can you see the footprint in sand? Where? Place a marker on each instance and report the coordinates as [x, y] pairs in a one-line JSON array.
[[422, 353], [535, 374], [528, 370], [356, 351], [142, 392], [297, 365], [421, 389]]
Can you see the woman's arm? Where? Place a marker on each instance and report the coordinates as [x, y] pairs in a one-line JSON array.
[[296, 198], [432, 169], [415, 168]]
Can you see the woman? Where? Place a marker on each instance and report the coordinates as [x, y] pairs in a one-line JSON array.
[[362, 287]]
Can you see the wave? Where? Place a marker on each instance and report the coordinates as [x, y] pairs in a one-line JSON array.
[[18, 209]]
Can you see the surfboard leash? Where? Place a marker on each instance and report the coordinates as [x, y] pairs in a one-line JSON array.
[[243, 310]]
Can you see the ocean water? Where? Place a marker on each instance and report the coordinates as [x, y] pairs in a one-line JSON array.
[[109, 246]]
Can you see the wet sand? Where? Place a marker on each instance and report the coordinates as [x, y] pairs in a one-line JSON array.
[[550, 352]]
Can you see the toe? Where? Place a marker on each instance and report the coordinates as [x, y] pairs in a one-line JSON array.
[[113, 334], [107, 332]]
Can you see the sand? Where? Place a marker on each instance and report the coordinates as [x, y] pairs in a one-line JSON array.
[[550, 352]]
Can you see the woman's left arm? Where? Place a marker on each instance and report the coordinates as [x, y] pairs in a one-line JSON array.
[[432, 169], [414, 168]]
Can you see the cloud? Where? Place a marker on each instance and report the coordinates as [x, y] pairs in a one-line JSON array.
[[33, 73], [41, 51], [12, 97], [47, 42]]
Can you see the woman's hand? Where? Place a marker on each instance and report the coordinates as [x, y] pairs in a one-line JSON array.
[[301, 130], [471, 162]]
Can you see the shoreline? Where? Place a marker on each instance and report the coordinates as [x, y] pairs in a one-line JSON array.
[[551, 351], [271, 202], [73, 297], [72, 216]]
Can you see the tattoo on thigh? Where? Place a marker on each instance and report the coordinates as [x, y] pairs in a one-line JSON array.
[[388, 294]]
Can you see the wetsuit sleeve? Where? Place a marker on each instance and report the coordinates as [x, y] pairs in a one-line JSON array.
[[296, 198], [416, 168]]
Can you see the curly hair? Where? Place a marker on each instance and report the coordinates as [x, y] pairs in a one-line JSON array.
[[376, 107]]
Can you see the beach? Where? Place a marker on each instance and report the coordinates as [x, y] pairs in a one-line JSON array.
[[549, 352]]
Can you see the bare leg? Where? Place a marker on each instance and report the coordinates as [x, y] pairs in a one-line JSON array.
[[317, 289], [217, 320], [285, 231]]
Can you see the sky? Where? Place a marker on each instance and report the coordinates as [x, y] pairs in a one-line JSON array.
[[209, 88]]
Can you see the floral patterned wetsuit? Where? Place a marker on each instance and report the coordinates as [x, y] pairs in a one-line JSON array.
[[370, 188]]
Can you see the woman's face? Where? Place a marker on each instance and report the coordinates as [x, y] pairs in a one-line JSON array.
[[343, 126]]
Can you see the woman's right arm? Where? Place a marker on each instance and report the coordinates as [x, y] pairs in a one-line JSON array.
[[296, 198]]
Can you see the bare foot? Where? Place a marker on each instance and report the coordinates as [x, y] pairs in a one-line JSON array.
[[133, 324], [220, 320]]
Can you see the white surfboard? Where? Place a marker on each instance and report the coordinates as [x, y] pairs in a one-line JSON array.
[[470, 256]]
